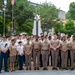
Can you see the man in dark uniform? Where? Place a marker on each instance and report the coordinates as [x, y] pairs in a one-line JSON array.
[[4, 53]]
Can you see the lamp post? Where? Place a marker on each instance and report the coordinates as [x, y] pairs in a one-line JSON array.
[[5, 3], [12, 21]]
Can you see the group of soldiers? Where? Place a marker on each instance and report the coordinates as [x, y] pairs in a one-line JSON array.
[[37, 49]]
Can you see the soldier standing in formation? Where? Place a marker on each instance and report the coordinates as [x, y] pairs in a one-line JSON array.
[[64, 53], [72, 52], [45, 47], [36, 53], [28, 54], [54, 45], [12, 54]]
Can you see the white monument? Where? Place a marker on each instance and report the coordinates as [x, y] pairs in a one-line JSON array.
[[37, 26], [62, 15]]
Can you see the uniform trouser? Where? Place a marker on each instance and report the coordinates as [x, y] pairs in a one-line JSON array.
[[59, 59], [64, 56], [45, 55], [0, 61], [5, 57], [23, 59], [54, 57], [20, 61], [72, 58], [28, 60], [36, 56], [41, 64]]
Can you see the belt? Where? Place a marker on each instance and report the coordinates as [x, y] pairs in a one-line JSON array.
[[73, 49], [45, 50], [36, 49]]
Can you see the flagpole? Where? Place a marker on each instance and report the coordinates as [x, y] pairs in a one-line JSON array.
[[4, 22], [5, 3], [12, 2]]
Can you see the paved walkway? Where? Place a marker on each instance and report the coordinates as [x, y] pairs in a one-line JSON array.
[[40, 72]]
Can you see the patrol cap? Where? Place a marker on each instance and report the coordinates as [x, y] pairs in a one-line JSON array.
[[28, 38], [13, 38]]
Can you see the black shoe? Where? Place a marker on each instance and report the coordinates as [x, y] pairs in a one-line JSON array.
[[53, 68], [22, 69], [0, 71], [6, 71], [29, 68], [19, 69], [13, 70], [46, 68], [34, 68], [26, 68], [63, 68], [72, 68], [66, 69], [37, 68], [56, 69]]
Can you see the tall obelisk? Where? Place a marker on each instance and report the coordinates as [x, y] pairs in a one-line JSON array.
[[37, 26]]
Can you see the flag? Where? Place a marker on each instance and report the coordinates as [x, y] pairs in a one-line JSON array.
[[12, 2]]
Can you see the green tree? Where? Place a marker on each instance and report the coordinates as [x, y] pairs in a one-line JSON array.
[[59, 26], [1, 3], [26, 27], [70, 27], [68, 15], [71, 12], [22, 12], [1, 25], [48, 13]]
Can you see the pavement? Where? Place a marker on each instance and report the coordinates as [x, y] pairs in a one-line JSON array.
[[40, 72]]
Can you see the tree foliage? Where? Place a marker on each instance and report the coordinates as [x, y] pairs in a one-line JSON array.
[[22, 13], [48, 13], [71, 12], [59, 27], [68, 27], [1, 25]]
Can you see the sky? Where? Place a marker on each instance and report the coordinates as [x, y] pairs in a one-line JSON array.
[[62, 4]]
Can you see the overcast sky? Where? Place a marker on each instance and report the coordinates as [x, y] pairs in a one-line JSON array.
[[62, 4]]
